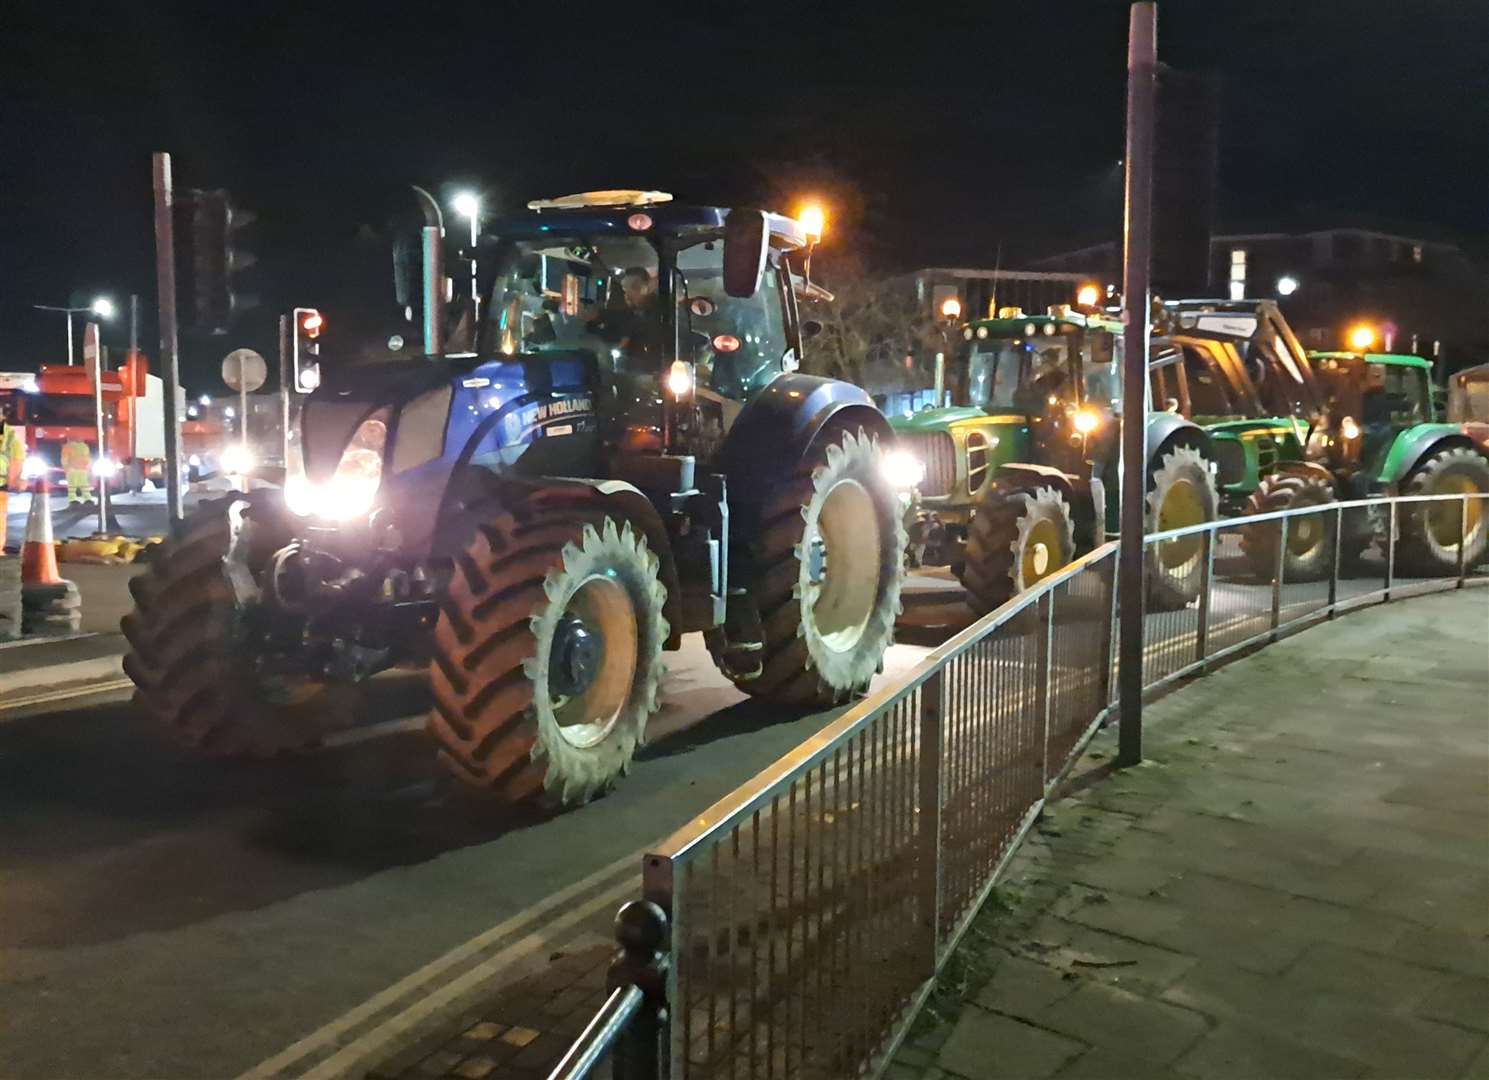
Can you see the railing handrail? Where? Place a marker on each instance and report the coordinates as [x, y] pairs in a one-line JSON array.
[[1298, 511], [807, 755], [599, 1035]]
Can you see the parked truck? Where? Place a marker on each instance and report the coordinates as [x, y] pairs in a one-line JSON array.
[[55, 406], [625, 454]]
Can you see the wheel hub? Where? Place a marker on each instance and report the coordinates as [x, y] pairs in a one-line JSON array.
[[578, 653]]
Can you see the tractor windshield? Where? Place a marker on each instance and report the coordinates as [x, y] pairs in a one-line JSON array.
[[993, 374], [57, 410], [1382, 397], [582, 294], [738, 344]]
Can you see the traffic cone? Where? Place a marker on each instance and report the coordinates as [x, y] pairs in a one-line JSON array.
[[39, 551], [50, 604]]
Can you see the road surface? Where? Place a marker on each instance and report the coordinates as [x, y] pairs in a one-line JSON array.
[[166, 916]]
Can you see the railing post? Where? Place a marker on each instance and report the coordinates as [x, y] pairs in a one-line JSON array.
[[1046, 677], [1462, 538], [1202, 631], [1109, 646], [1338, 554], [932, 716], [1277, 575], [1390, 550], [642, 1048]]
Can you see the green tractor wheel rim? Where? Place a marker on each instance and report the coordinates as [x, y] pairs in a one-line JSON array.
[[603, 608], [847, 585], [1183, 505], [1445, 520], [1041, 554]]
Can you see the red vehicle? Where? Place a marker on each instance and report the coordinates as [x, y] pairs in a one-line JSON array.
[[55, 406]]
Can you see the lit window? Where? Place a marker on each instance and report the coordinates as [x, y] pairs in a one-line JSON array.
[[1237, 273]]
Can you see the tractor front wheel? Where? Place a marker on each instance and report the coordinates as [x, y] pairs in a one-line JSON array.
[[1181, 492], [828, 567], [1433, 534], [547, 654], [187, 658], [1310, 537], [1017, 539]]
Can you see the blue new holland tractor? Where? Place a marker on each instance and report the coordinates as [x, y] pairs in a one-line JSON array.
[[610, 447]]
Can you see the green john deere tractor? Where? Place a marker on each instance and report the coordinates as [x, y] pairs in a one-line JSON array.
[[1023, 478], [1377, 434]]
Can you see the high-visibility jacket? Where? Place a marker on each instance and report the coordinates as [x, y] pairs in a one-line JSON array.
[[12, 456], [75, 456]]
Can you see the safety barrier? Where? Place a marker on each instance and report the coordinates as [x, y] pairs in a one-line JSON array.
[[811, 908]]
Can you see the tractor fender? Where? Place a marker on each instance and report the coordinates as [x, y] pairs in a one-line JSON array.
[[1169, 429], [775, 430], [1416, 443]]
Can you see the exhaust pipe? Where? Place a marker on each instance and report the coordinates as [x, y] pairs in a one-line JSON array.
[[434, 293]]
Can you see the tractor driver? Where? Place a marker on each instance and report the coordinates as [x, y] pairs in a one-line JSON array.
[[1046, 381], [635, 328]]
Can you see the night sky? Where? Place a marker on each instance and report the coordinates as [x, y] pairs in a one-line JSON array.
[[938, 132]]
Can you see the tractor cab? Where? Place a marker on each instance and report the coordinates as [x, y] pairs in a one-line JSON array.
[[1370, 399], [1059, 374]]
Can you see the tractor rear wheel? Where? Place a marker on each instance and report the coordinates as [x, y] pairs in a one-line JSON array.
[[1310, 537], [187, 658], [548, 651], [1433, 533], [829, 560], [1181, 492], [1017, 538]]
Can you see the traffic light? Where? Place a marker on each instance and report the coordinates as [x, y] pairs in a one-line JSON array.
[[307, 349], [217, 260]]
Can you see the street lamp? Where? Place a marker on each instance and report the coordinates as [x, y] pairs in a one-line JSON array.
[[1287, 285], [1361, 337], [467, 204], [102, 306], [951, 309]]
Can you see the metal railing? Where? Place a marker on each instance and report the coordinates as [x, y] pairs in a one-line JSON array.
[[812, 907]]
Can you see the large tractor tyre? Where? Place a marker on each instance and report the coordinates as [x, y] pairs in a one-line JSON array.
[[828, 562], [548, 652], [187, 659], [1310, 537], [1017, 539], [1432, 533], [1181, 492]]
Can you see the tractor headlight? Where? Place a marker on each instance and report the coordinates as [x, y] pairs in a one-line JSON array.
[[902, 469], [1086, 420], [104, 468], [352, 489], [33, 467]]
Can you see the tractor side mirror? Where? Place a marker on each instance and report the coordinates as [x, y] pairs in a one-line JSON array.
[[810, 328], [746, 245]]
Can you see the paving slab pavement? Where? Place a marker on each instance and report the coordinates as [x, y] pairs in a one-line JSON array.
[[1294, 884]]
